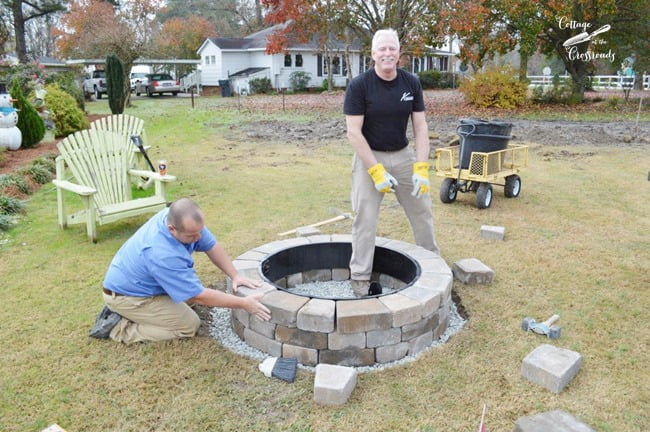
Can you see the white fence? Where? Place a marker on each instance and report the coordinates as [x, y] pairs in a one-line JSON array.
[[599, 82], [190, 81]]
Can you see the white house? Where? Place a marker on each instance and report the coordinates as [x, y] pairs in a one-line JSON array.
[[241, 59]]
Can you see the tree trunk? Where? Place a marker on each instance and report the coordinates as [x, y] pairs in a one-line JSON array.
[[19, 30], [523, 66]]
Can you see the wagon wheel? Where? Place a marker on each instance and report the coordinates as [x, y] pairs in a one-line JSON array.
[[512, 187], [484, 195], [448, 190]]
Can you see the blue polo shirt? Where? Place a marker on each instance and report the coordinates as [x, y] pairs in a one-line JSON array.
[[152, 263]]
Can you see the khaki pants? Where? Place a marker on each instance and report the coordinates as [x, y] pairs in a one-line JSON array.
[[151, 319], [366, 201]]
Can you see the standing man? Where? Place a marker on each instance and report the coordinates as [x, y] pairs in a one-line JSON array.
[[378, 106], [152, 277]]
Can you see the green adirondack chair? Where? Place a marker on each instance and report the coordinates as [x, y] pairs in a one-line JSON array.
[[99, 163], [132, 127]]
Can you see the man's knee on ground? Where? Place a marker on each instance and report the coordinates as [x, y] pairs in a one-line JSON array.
[[190, 326]]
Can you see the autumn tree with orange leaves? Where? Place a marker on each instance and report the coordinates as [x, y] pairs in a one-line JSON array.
[[489, 27], [180, 38], [95, 29]]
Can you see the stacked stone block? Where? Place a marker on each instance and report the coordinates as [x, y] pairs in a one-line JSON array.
[[347, 332]]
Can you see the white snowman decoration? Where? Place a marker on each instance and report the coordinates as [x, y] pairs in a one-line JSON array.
[[10, 136]]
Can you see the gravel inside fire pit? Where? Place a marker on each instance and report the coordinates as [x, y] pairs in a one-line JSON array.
[[329, 289], [221, 330]]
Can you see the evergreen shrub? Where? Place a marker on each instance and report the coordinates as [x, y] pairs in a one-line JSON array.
[[299, 80], [31, 125], [65, 113], [260, 86], [115, 87]]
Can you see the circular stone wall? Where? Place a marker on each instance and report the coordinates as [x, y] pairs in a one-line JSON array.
[[350, 332]]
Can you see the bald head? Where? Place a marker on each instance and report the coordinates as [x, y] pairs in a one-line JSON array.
[[183, 210]]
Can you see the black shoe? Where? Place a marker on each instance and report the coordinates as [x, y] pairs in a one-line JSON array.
[[375, 289], [106, 320]]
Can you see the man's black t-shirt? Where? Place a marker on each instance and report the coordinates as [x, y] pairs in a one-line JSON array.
[[386, 107]]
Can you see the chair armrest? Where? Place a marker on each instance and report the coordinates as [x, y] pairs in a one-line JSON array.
[[72, 187], [152, 175]]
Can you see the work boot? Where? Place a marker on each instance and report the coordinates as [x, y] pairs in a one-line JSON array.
[[106, 320], [360, 287], [374, 289]]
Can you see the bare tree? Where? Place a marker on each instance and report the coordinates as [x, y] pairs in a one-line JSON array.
[[24, 11]]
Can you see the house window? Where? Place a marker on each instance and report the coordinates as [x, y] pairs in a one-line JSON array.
[[287, 60], [206, 60], [298, 60], [336, 65], [444, 63], [213, 59]]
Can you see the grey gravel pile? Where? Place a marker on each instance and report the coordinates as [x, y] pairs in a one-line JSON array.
[[221, 330]]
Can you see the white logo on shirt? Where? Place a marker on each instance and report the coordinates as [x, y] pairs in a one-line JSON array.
[[406, 96]]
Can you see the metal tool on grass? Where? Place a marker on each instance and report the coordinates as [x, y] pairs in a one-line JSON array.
[[544, 328], [340, 217]]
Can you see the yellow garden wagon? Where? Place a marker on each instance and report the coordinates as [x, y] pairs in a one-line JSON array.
[[466, 168]]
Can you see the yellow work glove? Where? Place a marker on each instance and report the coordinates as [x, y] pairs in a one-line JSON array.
[[384, 182], [420, 179]]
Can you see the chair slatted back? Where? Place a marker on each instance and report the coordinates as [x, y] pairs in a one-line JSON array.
[[100, 159], [125, 124]]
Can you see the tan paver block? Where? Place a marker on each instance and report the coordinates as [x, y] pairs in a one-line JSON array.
[[404, 309], [355, 316], [284, 306], [317, 315], [334, 384]]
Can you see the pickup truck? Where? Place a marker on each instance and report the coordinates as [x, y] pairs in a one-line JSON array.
[[95, 84]]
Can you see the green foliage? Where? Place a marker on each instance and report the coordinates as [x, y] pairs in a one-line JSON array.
[[68, 83], [5, 222], [326, 85], [38, 173], [67, 116], [260, 86], [10, 205], [558, 92], [25, 74], [115, 87], [3, 153], [299, 80], [14, 180], [495, 87], [434, 79], [46, 161], [31, 125]]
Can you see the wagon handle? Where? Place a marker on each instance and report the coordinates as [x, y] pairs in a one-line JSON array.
[[462, 133]]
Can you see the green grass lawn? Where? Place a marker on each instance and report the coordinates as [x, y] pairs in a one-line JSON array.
[[576, 244]]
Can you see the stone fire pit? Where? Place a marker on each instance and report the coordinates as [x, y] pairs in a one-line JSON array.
[[344, 331]]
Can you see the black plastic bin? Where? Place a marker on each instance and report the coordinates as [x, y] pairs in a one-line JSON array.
[[482, 136], [226, 88]]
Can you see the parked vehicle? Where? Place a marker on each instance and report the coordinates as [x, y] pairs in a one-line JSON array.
[[95, 85], [158, 83], [137, 77]]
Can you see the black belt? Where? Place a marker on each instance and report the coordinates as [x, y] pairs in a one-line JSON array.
[[111, 293]]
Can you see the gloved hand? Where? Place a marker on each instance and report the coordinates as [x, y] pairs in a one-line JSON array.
[[420, 178], [384, 182]]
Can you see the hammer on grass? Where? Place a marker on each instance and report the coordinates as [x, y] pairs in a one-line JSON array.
[[544, 328]]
